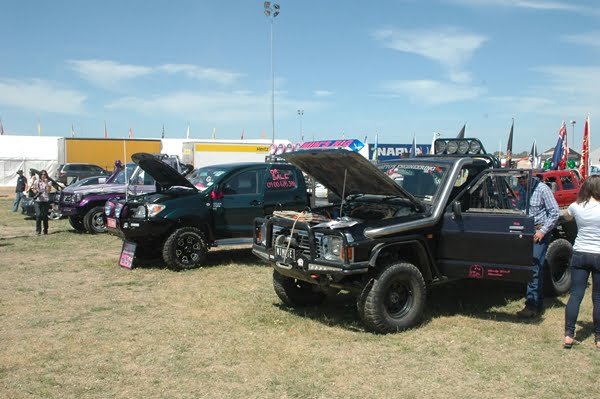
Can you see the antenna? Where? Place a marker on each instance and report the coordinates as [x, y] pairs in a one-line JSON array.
[[343, 192], [125, 170]]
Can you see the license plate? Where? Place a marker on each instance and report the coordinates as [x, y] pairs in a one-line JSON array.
[[111, 222], [284, 252], [127, 254]]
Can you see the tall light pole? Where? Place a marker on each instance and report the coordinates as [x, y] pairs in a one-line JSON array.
[[300, 114], [573, 133], [271, 11]]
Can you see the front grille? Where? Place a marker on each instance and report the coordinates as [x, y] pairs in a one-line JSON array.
[[66, 198], [300, 240]]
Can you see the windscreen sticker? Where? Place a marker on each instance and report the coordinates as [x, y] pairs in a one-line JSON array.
[[281, 179]]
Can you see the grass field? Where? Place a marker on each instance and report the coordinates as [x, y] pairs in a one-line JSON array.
[[75, 325]]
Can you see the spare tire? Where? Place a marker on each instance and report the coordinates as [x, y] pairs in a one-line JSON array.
[[557, 273]]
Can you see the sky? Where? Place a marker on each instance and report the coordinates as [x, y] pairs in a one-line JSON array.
[[387, 69]]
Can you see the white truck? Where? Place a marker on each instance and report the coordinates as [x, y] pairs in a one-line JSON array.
[[213, 152]]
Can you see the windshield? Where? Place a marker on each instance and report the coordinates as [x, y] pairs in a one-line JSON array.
[[420, 179], [204, 178], [119, 177]]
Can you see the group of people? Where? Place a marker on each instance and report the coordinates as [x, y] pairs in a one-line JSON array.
[[39, 189], [586, 250]]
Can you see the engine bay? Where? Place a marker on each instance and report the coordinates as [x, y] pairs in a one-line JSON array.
[[353, 212]]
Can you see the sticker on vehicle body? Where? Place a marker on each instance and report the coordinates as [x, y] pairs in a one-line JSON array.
[[475, 271], [498, 272]]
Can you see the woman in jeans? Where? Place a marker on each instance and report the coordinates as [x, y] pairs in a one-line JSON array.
[[586, 256]]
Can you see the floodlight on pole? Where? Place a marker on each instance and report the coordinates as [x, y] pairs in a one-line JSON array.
[[271, 11], [300, 114]]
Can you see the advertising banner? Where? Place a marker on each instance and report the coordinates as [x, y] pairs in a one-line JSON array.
[[387, 152]]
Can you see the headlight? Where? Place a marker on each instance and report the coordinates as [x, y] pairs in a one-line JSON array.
[[118, 209], [147, 210], [263, 235], [77, 197], [332, 247]]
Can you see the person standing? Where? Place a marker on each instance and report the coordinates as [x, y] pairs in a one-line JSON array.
[[20, 191], [42, 202], [545, 211], [586, 256], [32, 180]]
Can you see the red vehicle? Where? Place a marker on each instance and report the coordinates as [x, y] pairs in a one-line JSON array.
[[564, 184]]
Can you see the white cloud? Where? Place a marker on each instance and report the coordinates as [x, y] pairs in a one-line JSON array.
[[108, 74], [200, 73], [449, 47], [591, 39], [432, 92], [41, 96], [214, 107], [322, 93], [530, 4], [579, 81], [567, 92], [111, 75], [523, 105]]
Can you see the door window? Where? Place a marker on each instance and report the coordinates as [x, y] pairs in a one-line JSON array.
[[492, 193], [567, 183], [242, 184], [281, 178]]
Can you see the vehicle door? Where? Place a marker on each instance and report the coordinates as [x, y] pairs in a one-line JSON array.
[[242, 201], [567, 189], [284, 189], [484, 235]]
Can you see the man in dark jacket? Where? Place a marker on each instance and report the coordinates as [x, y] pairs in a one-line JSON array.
[[20, 191]]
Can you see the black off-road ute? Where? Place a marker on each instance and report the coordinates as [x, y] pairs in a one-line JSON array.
[[405, 225]]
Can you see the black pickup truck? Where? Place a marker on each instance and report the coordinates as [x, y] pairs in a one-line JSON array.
[[405, 225], [188, 215]]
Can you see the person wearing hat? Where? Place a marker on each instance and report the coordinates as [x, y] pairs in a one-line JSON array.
[[545, 211], [20, 191]]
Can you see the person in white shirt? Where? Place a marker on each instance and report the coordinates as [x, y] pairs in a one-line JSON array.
[[586, 257]]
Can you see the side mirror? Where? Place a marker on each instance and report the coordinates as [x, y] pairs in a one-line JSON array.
[[456, 210]]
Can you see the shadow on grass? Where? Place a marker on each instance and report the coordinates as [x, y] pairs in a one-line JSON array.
[[468, 298], [217, 257]]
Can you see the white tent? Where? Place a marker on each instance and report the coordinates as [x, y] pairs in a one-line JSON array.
[[26, 152]]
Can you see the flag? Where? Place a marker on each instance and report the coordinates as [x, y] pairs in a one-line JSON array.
[[242, 138], [162, 136], [214, 134], [39, 128], [105, 131], [72, 131], [561, 150], [187, 132], [509, 145], [533, 156], [130, 133], [413, 148], [585, 150], [375, 147], [461, 134], [436, 136], [1, 128]]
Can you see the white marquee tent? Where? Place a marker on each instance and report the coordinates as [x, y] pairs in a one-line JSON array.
[[26, 152]]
